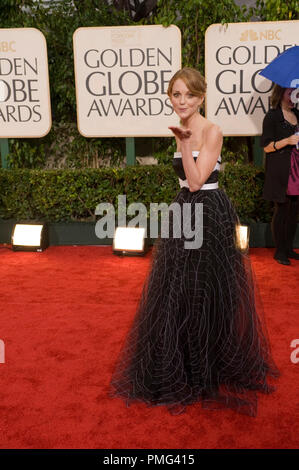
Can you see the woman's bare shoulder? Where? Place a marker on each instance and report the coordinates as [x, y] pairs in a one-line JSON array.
[[212, 131]]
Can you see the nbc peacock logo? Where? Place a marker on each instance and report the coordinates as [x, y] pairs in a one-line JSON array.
[[268, 34]]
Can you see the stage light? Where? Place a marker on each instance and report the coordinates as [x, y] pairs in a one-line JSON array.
[[29, 237], [242, 236], [130, 241]]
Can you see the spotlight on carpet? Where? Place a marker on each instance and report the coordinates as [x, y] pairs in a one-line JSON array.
[[242, 238], [130, 241], [30, 236]]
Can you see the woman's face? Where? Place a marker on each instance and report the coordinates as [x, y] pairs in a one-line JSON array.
[[184, 103], [287, 99]]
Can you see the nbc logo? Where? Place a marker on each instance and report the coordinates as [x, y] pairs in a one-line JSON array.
[[251, 35]]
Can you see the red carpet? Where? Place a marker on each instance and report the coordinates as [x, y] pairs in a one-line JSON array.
[[63, 316]]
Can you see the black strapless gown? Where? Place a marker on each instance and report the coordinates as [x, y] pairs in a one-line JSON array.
[[197, 336]]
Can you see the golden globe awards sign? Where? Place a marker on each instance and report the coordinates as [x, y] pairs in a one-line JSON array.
[[122, 74], [25, 109], [237, 96]]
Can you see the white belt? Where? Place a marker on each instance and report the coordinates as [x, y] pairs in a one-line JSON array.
[[184, 184]]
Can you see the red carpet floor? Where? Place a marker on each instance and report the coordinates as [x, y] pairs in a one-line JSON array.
[[63, 316]]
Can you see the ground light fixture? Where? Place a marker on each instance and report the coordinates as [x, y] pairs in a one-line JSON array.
[[242, 238], [30, 236], [130, 241]]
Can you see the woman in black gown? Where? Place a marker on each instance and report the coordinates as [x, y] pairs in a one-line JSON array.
[[196, 336]]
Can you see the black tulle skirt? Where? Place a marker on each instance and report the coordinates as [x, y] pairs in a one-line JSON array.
[[197, 335]]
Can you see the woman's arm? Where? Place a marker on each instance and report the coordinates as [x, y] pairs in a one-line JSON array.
[[198, 172], [209, 154], [270, 140], [279, 144]]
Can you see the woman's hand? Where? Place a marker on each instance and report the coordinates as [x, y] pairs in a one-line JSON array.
[[180, 133], [293, 139]]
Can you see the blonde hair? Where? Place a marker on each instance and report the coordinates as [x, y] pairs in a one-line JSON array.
[[192, 78]]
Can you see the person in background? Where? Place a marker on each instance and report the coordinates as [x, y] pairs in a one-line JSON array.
[[280, 143]]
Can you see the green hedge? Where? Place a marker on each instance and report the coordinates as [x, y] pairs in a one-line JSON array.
[[72, 195]]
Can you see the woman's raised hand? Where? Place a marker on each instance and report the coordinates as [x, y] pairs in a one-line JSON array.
[[180, 133]]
